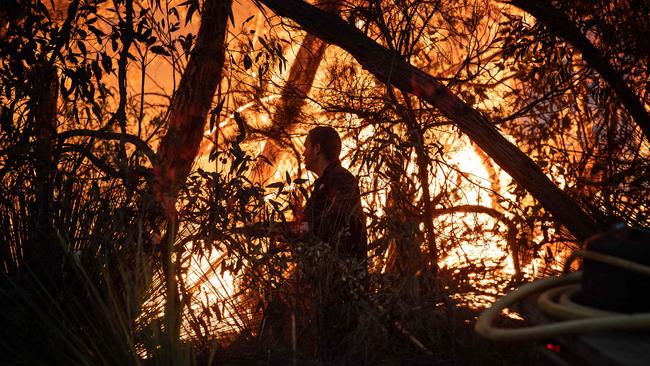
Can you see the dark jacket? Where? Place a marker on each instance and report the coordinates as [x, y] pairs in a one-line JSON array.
[[334, 212]]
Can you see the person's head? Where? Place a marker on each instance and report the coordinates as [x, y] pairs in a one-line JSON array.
[[322, 146]]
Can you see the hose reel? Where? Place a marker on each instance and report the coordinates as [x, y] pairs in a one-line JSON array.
[[611, 293]]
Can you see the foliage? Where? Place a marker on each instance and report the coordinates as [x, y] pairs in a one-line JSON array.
[[83, 106]]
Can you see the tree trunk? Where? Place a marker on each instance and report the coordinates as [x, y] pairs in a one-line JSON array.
[[43, 253], [394, 71], [292, 99], [180, 145], [191, 103], [562, 26]]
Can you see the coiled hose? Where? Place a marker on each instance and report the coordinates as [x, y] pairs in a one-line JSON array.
[[582, 319]]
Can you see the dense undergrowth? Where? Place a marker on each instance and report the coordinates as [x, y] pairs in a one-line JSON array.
[[99, 296]]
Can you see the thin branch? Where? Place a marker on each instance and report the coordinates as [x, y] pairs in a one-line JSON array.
[[107, 135]]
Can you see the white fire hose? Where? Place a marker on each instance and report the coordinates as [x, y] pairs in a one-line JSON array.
[[582, 319]]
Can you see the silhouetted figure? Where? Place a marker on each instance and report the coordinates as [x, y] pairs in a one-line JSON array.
[[333, 212], [335, 257]]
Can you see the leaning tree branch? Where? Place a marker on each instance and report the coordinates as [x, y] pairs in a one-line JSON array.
[[392, 70]]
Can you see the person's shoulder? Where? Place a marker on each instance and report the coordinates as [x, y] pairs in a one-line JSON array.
[[344, 176]]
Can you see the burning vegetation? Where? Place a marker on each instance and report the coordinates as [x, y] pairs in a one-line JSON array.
[[151, 169]]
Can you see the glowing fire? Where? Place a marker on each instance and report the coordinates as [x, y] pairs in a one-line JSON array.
[[214, 289]]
